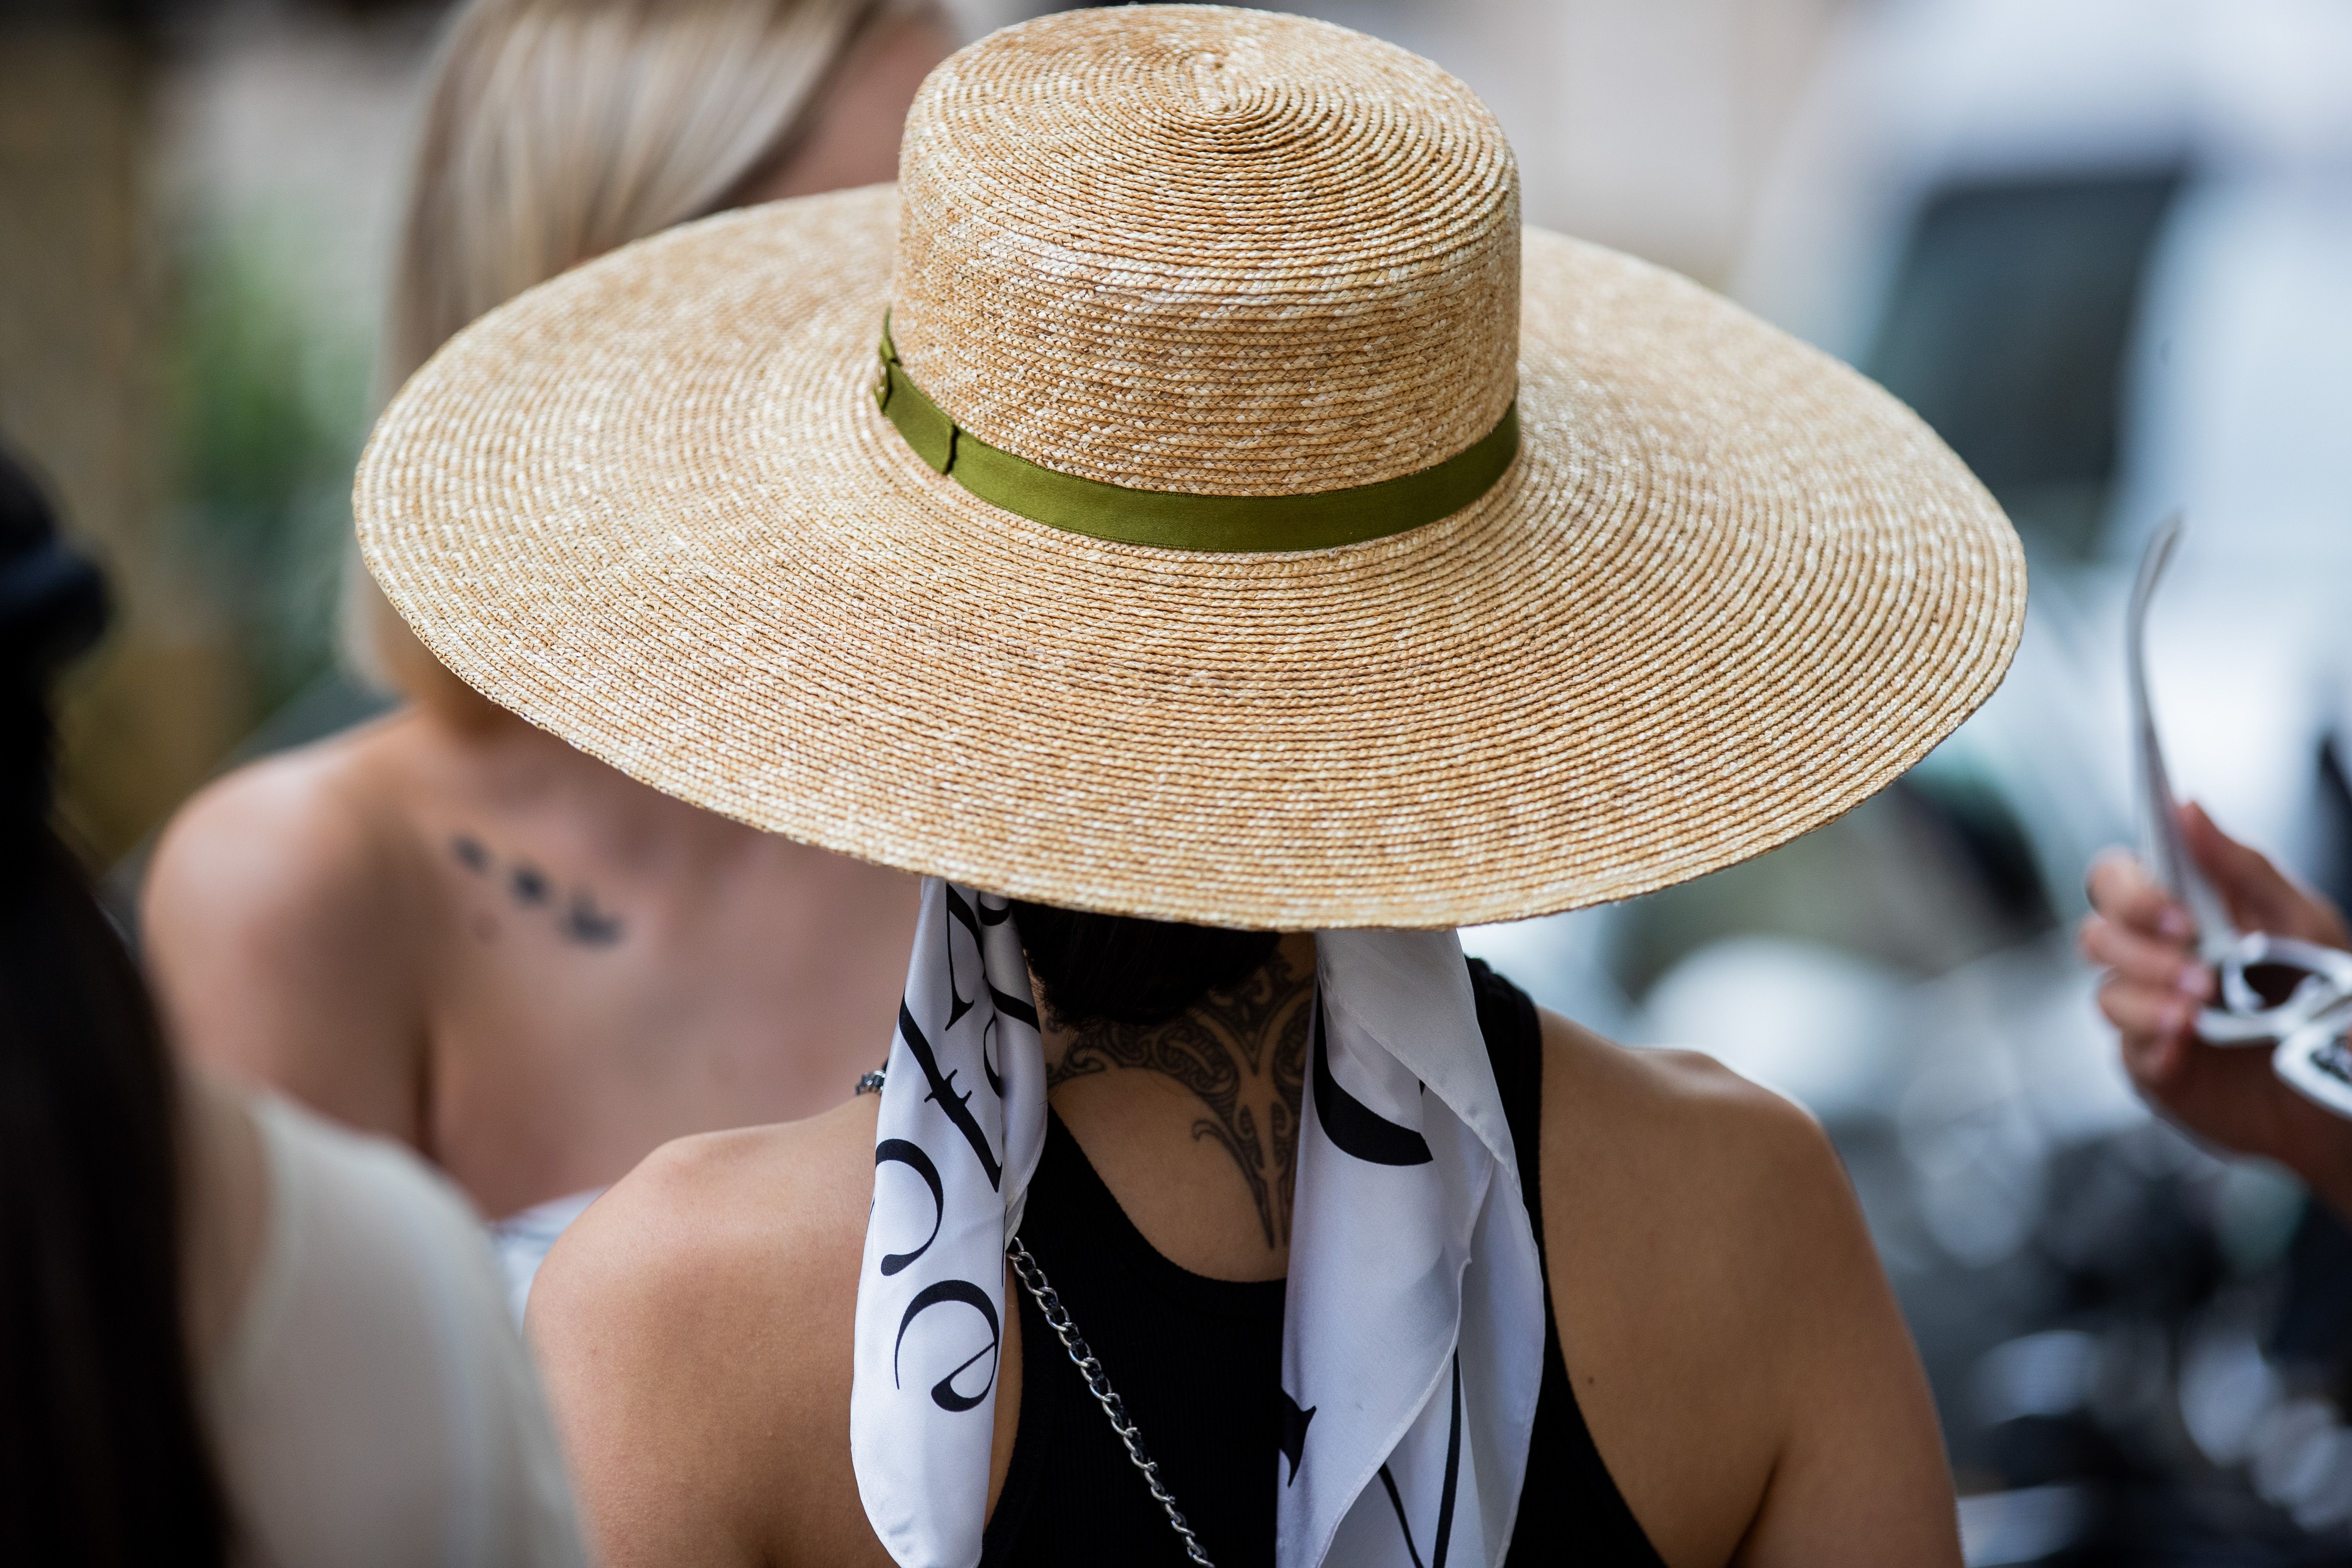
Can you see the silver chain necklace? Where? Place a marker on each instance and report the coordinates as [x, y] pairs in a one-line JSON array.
[[1058, 1317]]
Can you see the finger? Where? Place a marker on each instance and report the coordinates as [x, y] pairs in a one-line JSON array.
[[2121, 890], [2261, 897], [2154, 1036], [2145, 960], [2156, 1062], [2146, 1012], [2240, 873]]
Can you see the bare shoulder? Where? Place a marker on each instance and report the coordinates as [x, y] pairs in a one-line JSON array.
[[1720, 1206], [695, 1327], [284, 841], [700, 1214], [1680, 1135], [1734, 1345], [279, 925]]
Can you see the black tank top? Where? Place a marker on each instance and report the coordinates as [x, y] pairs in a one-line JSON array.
[[1199, 1362]]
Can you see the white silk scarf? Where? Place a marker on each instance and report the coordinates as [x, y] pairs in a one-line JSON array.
[[1413, 1339]]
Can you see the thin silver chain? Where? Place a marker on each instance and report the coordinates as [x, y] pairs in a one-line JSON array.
[[1058, 1317], [1082, 1356]]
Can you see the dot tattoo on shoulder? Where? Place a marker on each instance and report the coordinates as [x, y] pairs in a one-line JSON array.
[[588, 926], [577, 920]]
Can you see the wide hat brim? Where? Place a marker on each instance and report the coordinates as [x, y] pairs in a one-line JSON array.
[[1729, 589]]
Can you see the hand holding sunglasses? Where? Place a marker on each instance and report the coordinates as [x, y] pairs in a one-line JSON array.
[[2272, 990]]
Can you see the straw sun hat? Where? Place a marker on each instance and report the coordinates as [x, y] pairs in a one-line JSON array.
[[1315, 550]]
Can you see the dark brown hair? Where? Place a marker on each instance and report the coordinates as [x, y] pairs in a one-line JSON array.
[[1120, 970], [103, 1456]]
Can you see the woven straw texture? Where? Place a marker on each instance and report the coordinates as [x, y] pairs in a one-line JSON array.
[[1729, 589], [1222, 252]]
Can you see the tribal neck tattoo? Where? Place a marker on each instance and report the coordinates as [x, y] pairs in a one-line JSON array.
[[1243, 1053]]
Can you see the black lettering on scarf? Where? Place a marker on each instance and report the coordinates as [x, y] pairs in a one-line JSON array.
[[957, 1106], [1445, 1495], [897, 1150], [1353, 1126], [943, 1392], [962, 913], [1294, 1431], [972, 920]]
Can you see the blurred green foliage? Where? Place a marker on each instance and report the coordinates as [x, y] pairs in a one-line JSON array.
[[270, 403]]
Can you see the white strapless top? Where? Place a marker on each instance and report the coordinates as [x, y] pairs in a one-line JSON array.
[[373, 1406], [523, 1238]]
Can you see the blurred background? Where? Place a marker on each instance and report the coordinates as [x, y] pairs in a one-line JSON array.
[[2103, 245]]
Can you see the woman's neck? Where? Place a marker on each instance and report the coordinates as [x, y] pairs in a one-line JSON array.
[[1194, 1123]]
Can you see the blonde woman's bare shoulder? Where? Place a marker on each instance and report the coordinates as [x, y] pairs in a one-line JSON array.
[[299, 844], [694, 1327], [288, 812], [279, 920]]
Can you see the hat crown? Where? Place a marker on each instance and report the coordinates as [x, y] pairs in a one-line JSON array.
[[1192, 248]]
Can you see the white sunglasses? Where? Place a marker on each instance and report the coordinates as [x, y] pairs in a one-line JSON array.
[[2274, 988]]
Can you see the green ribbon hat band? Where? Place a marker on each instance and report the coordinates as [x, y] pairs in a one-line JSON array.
[[1174, 520]]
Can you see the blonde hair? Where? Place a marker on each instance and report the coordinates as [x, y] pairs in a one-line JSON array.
[[556, 130]]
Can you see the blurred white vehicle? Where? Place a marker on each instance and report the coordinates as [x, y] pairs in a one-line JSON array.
[[2106, 246]]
